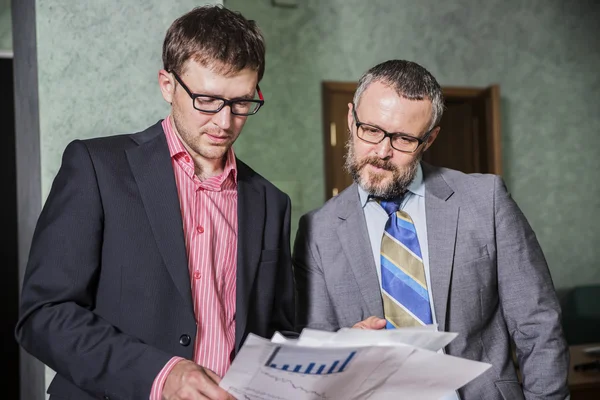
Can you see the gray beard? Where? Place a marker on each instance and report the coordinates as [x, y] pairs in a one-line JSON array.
[[401, 177]]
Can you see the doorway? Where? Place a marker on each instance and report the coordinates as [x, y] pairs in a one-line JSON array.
[[469, 139]]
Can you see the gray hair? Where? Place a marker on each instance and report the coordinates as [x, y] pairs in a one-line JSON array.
[[410, 80]]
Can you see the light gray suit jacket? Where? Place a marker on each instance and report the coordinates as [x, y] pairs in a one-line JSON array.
[[489, 280]]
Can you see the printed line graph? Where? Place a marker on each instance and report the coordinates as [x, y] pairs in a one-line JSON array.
[[264, 379], [294, 386]]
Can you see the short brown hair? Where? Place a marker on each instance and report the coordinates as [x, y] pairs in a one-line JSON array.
[[215, 37]]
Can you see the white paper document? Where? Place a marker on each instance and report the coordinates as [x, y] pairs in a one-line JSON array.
[[349, 364]]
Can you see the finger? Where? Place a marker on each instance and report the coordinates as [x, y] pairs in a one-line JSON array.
[[375, 320], [375, 323], [380, 323], [212, 375], [188, 393], [197, 396], [370, 323], [212, 390]]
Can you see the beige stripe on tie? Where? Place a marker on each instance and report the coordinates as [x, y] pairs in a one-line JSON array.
[[403, 215], [398, 315], [405, 260]]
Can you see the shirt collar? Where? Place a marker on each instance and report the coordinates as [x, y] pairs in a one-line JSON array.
[[417, 187], [176, 148], [230, 166]]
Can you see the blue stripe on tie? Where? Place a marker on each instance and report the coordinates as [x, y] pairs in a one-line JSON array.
[[401, 222], [396, 273], [389, 325], [405, 236], [404, 294]]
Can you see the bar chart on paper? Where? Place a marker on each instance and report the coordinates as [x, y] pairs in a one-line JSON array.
[[293, 359]]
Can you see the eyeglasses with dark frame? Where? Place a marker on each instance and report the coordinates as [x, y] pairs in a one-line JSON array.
[[399, 141], [214, 104]]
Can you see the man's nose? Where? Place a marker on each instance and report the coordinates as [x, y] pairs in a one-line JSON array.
[[223, 118], [384, 149]]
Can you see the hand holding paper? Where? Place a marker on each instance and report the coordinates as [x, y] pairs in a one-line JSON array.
[[349, 364]]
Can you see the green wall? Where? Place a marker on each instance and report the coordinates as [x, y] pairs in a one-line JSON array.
[[5, 27], [543, 54], [98, 64]]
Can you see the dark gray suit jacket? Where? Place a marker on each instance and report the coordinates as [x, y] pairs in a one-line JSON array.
[[489, 280], [106, 299]]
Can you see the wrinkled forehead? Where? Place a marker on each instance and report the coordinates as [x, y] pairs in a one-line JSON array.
[[218, 67], [381, 105], [221, 79]]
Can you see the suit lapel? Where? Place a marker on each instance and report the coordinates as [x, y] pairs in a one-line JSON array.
[[354, 239], [251, 220], [151, 166], [442, 224]]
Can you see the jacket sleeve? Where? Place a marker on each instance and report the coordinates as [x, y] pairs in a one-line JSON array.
[[529, 302], [313, 308], [57, 323], [284, 304]]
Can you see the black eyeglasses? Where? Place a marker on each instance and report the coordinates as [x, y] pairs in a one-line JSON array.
[[399, 141], [214, 104]]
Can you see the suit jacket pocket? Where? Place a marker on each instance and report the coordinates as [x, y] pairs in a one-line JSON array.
[[269, 255], [470, 254], [476, 272], [510, 390]]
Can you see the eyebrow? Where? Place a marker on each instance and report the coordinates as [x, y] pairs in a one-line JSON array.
[[249, 96], [385, 130], [242, 97], [397, 133]]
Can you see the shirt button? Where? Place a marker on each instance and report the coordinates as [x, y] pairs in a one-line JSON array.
[[197, 274], [185, 340], [200, 229], [187, 159]]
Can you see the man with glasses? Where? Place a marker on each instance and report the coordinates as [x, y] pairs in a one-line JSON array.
[[410, 244], [157, 253]]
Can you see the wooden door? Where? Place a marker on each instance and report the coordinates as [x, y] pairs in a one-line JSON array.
[[469, 139], [336, 96]]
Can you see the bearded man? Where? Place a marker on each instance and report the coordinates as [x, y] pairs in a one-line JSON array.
[[410, 244]]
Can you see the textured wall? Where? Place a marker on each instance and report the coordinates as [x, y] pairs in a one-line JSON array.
[[543, 53], [5, 27], [98, 65]]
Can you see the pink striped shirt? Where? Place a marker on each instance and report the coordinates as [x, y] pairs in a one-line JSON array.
[[209, 214]]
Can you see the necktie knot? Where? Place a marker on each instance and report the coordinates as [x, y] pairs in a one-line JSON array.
[[391, 206]]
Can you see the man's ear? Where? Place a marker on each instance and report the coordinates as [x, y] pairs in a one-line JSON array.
[[166, 82], [350, 118], [431, 138]]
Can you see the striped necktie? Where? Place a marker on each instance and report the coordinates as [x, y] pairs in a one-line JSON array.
[[404, 287]]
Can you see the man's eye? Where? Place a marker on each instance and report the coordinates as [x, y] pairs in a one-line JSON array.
[[206, 101], [371, 130], [405, 139]]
